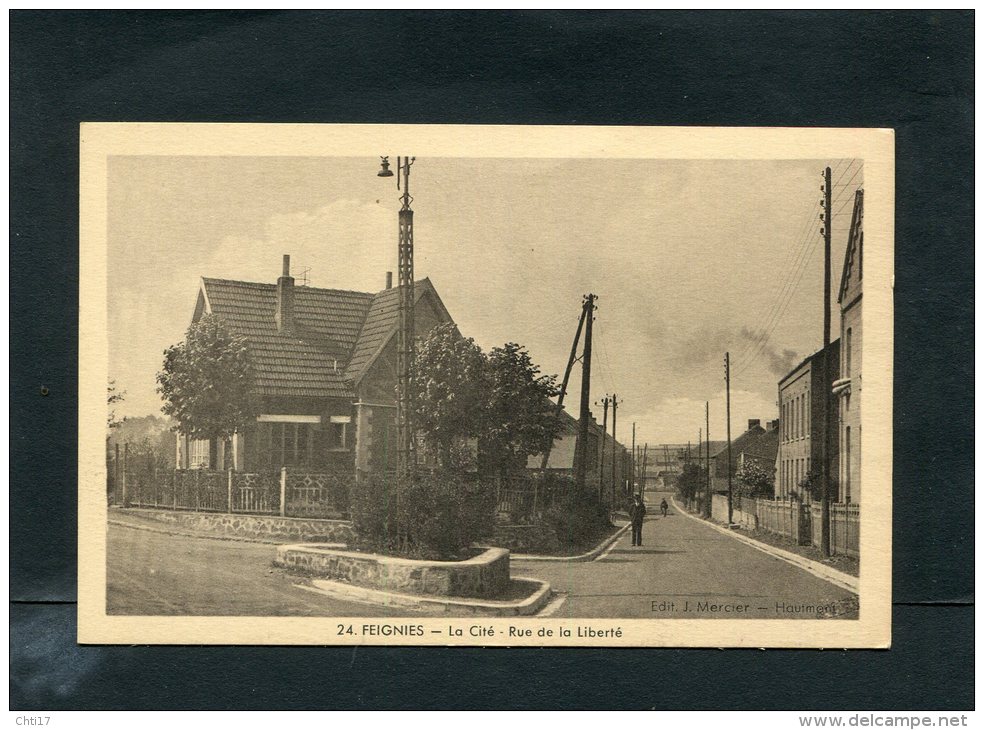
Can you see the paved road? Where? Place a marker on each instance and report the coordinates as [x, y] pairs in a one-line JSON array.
[[152, 574], [684, 569]]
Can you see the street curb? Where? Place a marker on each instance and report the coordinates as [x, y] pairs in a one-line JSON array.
[[824, 572], [346, 592], [187, 533], [583, 558]]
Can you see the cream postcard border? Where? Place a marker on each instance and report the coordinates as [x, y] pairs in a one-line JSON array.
[[875, 146]]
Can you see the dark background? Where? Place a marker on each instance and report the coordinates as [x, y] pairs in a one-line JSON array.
[[912, 71]]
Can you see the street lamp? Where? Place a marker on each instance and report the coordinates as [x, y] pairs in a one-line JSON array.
[[405, 341]]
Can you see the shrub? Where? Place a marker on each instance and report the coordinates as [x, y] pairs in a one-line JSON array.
[[437, 516], [576, 515]]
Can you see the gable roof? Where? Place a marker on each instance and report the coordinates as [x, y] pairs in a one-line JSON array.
[[332, 328], [380, 324], [857, 215]]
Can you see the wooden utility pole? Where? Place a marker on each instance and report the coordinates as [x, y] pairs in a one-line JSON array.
[[645, 458], [581, 454], [614, 442], [828, 223], [700, 466], [707, 431], [727, 390], [634, 465], [604, 431], [563, 385]]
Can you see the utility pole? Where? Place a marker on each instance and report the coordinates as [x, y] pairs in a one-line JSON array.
[[604, 431], [614, 442], [727, 389], [634, 465], [828, 222], [563, 385], [645, 458], [581, 455], [700, 466], [707, 431]]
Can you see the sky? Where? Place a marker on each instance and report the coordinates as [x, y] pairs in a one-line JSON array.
[[689, 259]]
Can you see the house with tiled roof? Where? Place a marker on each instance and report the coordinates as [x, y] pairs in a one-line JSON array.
[[756, 444], [598, 469], [324, 364]]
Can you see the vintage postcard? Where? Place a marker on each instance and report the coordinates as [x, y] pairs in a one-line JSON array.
[[498, 386]]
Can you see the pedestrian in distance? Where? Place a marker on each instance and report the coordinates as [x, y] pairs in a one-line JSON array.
[[637, 513], [664, 507]]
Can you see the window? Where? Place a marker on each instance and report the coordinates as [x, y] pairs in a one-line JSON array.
[[287, 444], [338, 433], [847, 353], [198, 454]]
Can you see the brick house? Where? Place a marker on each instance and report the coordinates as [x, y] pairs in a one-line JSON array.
[[325, 374], [755, 444], [848, 385], [801, 394]]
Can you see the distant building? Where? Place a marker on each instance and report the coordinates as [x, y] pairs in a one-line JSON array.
[[801, 394], [848, 386], [599, 456], [755, 444], [662, 465]]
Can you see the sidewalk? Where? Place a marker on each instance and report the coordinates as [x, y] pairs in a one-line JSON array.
[[827, 573]]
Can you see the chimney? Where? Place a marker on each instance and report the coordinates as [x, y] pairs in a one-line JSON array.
[[389, 279], [772, 425], [285, 299], [754, 423]]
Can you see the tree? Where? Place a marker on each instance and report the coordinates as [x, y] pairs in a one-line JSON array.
[[754, 480], [448, 390], [500, 398], [688, 481], [207, 381], [113, 396], [519, 418]]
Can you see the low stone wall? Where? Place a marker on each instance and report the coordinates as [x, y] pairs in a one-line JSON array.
[[484, 576], [300, 529], [525, 538]]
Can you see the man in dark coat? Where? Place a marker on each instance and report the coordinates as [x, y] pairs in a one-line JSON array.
[[637, 513]]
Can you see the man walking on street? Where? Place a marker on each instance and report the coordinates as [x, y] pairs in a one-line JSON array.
[[637, 513]]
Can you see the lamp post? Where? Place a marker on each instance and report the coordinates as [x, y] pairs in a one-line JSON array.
[[405, 337]]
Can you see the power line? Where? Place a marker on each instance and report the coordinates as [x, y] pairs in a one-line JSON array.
[[789, 270], [779, 317], [780, 306], [787, 295], [804, 251]]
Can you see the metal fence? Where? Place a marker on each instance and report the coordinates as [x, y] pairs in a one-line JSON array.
[[523, 500], [287, 493]]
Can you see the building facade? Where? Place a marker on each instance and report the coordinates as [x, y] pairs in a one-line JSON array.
[[848, 386], [324, 363], [800, 450]]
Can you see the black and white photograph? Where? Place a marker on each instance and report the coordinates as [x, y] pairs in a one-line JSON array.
[[486, 393]]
